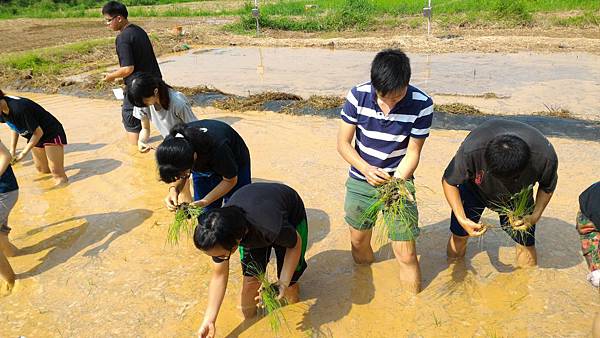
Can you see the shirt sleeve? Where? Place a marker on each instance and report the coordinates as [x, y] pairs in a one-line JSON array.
[[224, 162], [183, 110], [420, 128], [349, 111], [139, 112], [457, 172], [125, 51], [549, 177], [287, 236]]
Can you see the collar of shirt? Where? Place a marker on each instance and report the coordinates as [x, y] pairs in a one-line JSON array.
[[405, 102]]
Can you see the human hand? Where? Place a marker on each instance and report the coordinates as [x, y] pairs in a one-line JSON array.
[[375, 176], [207, 330], [143, 147], [171, 199], [524, 223], [18, 157], [472, 228], [107, 78], [594, 278]]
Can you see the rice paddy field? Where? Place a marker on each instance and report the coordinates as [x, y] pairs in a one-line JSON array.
[[103, 257]]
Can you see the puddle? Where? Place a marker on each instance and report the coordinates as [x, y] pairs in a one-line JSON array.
[[525, 82]]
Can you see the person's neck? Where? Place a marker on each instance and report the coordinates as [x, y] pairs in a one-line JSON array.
[[127, 23]]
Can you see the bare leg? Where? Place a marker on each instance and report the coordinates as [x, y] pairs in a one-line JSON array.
[[56, 162], [292, 294], [362, 252], [526, 256], [457, 247], [6, 247], [6, 272], [410, 272], [250, 286], [186, 194], [132, 137], [40, 160]]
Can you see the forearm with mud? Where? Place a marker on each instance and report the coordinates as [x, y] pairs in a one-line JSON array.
[[35, 138], [290, 261], [145, 132], [220, 190], [351, 156], [216, 291], [453, 197], [542, 199], [14, 140]]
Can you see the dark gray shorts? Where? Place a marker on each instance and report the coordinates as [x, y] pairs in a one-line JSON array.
[[130, 122], [7, 202]]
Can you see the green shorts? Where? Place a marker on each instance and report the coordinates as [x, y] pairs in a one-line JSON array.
[[360, 195]]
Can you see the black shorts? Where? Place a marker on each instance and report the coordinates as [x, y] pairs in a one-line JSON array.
[[130, 122], [256, 260], [60, 139]]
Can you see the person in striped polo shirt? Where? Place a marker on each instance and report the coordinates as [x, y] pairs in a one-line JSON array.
[[389, 120]]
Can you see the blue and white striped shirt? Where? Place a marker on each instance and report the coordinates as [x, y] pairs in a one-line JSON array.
[[382, 140]]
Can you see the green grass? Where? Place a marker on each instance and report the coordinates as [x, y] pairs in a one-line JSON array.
[[53, 60], [585, 20]]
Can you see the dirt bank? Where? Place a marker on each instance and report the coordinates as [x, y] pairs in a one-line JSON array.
[[95, 261]]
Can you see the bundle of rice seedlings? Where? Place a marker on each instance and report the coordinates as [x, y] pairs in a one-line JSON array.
[[269, 300], [395, 201], [515, 208], [186, 218]]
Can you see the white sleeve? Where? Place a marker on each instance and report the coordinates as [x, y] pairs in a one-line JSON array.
[[139, 112]]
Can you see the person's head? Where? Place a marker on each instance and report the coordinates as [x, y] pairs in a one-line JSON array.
[[146, 90], [115, 15], [506, 156], [390, 75], [176, 155], [220, 231]]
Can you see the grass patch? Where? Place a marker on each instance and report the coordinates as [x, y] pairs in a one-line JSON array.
[[53, 60], [555, 111], [186, 219], [585, 20], [254, 102], [457, 108]]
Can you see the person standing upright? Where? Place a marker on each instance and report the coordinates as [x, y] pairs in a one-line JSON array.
[[136, 55]]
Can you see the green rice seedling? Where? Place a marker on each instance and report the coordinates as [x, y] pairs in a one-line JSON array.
[[516, 208], [186, 218], [269, 300], [396, 202]]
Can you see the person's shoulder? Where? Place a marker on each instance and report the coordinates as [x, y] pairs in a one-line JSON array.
[[419, 96], [178, 99], [358, 94]]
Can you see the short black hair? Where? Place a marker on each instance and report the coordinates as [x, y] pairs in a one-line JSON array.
[[114, 8], [143, 85], [507, 155], [224, 227], [390, 71]]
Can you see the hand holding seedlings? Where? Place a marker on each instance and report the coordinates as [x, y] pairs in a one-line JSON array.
[[172, 199], [375, 176], [17, 158], [144, 148], [472, 228], [185, 221]]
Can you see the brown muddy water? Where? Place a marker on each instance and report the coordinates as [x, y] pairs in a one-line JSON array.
[[95, 262], [521, 82]]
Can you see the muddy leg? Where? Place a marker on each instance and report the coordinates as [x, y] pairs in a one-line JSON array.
[[7, 275], [6, 247], [596, 326], [40, 160], [457, 247], [362, 252], [410, 271], [250, 286], [292, 294], [526, 256], [132, 137], [56, 162]]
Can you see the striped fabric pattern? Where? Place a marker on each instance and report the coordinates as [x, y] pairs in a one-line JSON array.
[[382, 140]]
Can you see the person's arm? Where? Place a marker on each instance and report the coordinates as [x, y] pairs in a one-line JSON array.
[[122, 72], [453, 197], [375, 176], [14, 140], [542, 199], [219, 191], [35, 138], [175, 189], [216, 293], [144, 134], [409, 163], [290, 262], [5, 158]]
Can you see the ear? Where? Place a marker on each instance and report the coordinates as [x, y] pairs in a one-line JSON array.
[[156, 91]]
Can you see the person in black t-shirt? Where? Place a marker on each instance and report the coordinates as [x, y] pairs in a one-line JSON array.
[[215, 155], [258, 218], [497, 160], [44, 133], [136, 55]]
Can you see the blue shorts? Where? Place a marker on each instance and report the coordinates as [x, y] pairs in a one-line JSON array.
[[474, 207], [205, 182]]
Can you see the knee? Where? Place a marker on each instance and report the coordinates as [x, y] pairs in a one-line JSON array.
[[248, 312], [360, 242], [407, 258]]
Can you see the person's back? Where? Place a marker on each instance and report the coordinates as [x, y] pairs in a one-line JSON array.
[[134, 48]]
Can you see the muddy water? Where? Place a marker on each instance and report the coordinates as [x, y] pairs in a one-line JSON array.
[[95, 262], [525, 82]]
